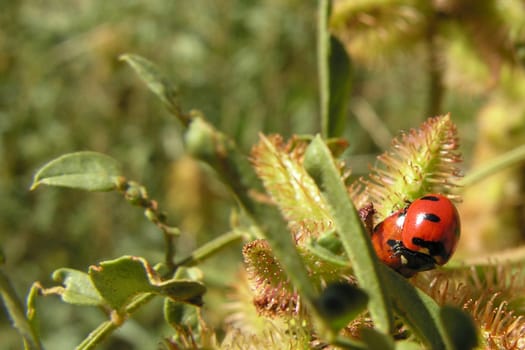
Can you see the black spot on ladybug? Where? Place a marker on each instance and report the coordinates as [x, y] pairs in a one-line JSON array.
[[430, 198], [392, 242], [434, 248], [431, 217]]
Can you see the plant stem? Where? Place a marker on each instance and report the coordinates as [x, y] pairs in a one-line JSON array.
[[15, 309], [97, 335], [323, 51], [108, 327], [435, 70], [210, 248], [503, 161]]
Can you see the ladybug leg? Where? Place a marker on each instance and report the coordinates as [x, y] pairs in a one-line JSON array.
[[410, 259]]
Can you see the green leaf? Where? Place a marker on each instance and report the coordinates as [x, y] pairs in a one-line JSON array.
[[334, 76], [376, 340], [119, 281], [179, 314], [408, 345], [320, 165], [90, 171], [461, 330], [156, 82], [79, 289], [182, 290], [417, 309]]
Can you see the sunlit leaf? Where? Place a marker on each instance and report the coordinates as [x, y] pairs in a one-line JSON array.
[[79, 289], [90, 171], [119, 281]]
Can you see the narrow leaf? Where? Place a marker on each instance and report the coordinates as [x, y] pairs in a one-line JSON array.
[[90, 171], [320, 165], [460, 327], [334, 75], [79, 289], [340, 88], [416, 308], [376, 340], [157, 83]]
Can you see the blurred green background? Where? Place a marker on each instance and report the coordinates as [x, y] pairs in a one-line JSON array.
[[250, 66]]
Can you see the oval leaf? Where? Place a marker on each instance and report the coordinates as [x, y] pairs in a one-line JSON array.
[[79, 289], [90, 171], [119, 281]]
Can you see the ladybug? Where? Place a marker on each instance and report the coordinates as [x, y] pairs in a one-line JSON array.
[[432, 227], [418, 237]]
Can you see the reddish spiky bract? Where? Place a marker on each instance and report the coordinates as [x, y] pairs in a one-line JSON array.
[[273, 292], [419, 161], [486, 293], [279, 166]]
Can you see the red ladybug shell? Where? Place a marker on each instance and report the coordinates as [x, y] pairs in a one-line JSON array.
[[388, 230], [431, 227]]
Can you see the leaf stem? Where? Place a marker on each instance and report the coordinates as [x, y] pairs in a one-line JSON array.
[[97, 335]]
